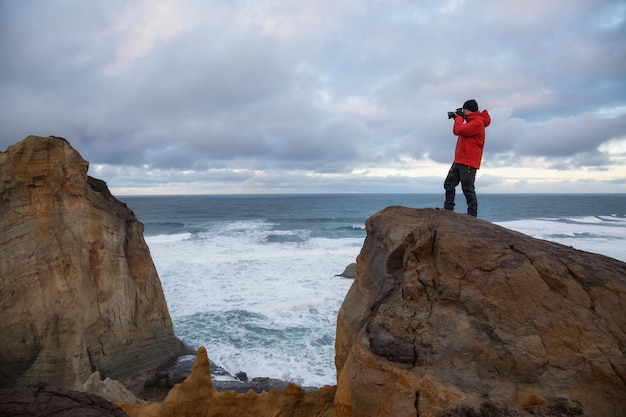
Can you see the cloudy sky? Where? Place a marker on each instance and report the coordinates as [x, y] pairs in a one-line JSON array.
[[281, 96]]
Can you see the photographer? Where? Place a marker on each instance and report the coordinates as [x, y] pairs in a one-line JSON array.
[[469, 126]]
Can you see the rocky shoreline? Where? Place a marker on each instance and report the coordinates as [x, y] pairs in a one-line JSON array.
[[102, 397], [448, 315], [154, 385]]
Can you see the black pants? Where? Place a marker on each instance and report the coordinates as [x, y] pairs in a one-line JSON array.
[[465, 175]]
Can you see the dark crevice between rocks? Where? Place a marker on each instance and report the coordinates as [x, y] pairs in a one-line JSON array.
[[619, 375], [584, 284], [417, 399], [551, 280]]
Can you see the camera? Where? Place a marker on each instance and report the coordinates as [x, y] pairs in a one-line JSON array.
[[457, 112]]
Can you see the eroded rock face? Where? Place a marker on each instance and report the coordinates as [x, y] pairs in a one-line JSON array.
[[78, 290], [196, 397], [452, 315]]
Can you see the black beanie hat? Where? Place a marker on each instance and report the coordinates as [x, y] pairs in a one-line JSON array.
[[471, 105]]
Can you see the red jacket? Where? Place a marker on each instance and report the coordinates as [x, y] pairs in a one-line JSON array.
[[469, 145]]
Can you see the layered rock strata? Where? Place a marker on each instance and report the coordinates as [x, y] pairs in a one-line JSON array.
[[79, 292]]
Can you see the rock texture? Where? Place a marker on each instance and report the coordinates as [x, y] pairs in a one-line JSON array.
[[196, 397], [40, 401], [78, 290], [451, 315]]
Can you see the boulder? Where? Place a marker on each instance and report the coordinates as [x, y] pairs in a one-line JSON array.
[[452, 315], [109, 389], [79, 292], [349, 272]]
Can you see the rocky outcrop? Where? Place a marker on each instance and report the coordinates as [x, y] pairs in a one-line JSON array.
[[78, 290], [196, 397], [155, 384], [451, 315]]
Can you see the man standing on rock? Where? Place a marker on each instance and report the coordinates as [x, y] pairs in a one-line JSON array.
[[469, 126]]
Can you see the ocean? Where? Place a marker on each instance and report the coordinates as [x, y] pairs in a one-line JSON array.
[[252, 277]]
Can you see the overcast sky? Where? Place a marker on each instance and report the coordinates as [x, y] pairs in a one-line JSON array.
[[279, 96]]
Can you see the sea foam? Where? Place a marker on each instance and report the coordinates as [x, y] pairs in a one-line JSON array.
[[598, 234], [263, 306]]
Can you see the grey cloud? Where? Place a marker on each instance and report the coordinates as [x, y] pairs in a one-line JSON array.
[[567, 136], [345, 86]]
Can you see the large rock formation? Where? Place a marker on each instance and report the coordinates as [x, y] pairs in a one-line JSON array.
[[451, 315], [78, 290]]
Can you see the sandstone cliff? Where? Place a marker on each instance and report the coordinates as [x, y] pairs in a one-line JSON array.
[[449, 316], [78, 290]]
